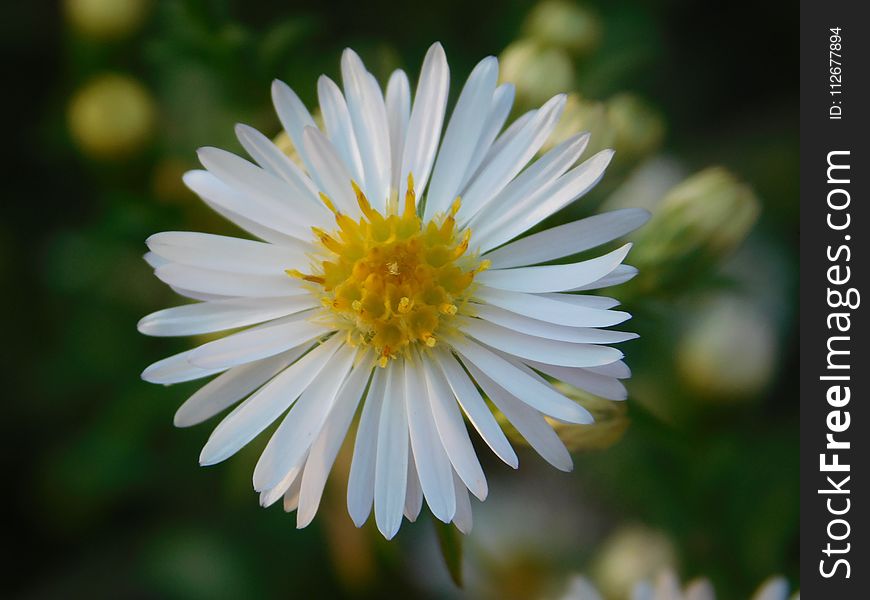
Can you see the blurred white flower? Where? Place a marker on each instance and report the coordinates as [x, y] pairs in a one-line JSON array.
[[729, 350], [370, 290], [666, 586], [632, 553]]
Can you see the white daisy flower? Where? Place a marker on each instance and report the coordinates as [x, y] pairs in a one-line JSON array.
[[667, 587], [376, 289]]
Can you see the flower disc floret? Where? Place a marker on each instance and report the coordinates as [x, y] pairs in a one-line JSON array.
[[392, 281]]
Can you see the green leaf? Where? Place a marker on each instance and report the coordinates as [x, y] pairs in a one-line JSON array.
[[450, 543]]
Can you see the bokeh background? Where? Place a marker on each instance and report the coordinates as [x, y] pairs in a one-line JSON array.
[[106, 102]]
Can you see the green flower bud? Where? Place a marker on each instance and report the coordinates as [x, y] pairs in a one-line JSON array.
[[638, 130], [538, 72], [565, 25], [106, 19], [583, 115], [112, 117], [700, 222], [611, 421]]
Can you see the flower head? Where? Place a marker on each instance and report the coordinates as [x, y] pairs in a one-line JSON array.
[[666, 586], [386, 284]]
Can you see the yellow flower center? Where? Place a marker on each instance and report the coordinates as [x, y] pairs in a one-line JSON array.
[[391, 281]]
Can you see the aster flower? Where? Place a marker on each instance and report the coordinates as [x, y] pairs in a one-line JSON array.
[[386, 284], [667, 587]]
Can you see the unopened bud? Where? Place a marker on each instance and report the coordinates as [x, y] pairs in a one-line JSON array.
[[638, 130], [611, 421], [106, 19], [699, 223], [565, 25], [113, 116], [538, 72], [581, 115]]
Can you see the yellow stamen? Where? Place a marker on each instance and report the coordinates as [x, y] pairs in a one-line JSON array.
[[454, 208], [410, 198], [300, 275], [325, 199], [389, 280], [448, 309], [363, 202]]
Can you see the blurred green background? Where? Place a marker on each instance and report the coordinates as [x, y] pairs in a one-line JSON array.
[[108, 101]]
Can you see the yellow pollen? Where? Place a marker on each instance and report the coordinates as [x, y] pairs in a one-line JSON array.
[[390, 281]]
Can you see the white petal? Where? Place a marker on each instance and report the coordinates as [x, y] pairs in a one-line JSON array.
[[269, 199], [271, 158], [154, 260], [231, 386], [529, 422], [495, 148], [619, 275], [546, 201], [257, 412], [462, 518], [369, 116], [234, 206], [293, 115], [585, 300], [427, 117], [361, 481], [551, 331], [257, 342], [433, 466], [554, 278], [568, 239], [201, 296], [454, 435], [339, 127], [398, 104], [667, 586], [175, 369], [531, 347], [548, 309], [224, 253], [594, 383], [536, 394], [207, 317], [502, 101], [542, 172], [775, 588], [329, 171], [391, 466], [643, 590], [413, 493], [291, 496], [581, 588], [288, 487], [619, 370], [474, 406], [225, 283], [512, 157], [303, 422], [702, 589], [325, 449], [461, 136]]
